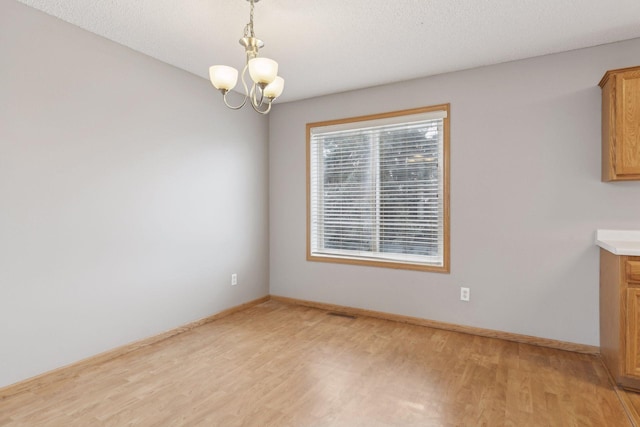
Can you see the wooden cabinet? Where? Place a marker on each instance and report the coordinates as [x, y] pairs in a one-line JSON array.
[[620, 317], [632, 339], [621, 124]]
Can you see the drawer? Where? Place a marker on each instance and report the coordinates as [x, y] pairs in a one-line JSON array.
[[633, 270]]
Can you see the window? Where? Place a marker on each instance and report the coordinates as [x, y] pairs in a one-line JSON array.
[[378, 190]]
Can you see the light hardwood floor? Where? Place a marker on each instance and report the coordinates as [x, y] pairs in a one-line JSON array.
[[281, 365], [631, 402]]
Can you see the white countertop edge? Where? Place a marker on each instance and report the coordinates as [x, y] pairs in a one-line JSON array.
[[619, 242]]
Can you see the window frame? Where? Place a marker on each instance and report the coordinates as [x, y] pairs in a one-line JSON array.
[[341, 259]]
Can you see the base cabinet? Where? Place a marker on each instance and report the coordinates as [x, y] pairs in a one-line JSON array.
[[620, 317], [632, 336]]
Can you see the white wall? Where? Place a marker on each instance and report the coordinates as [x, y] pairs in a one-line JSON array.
[[128, 196], [526, 198]]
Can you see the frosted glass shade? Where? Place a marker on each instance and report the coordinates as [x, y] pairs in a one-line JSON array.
[[275, 88], [223, 77], [263, 70]]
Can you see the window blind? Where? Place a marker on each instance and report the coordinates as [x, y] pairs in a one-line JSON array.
[[376, 189]]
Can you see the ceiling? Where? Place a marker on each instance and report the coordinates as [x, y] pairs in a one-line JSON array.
[[329, 46]]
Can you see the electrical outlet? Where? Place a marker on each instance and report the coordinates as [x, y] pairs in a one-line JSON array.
[[234, 279], [465, 294]]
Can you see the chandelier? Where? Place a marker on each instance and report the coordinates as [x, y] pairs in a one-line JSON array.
[[267, 85]]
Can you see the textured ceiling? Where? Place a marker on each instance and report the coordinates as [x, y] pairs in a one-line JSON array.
[[329, 46]]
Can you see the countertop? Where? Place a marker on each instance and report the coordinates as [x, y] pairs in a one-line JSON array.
[[619, 242]]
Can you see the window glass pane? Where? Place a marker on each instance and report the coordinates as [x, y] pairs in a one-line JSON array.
[[410, 208], [347, 209]]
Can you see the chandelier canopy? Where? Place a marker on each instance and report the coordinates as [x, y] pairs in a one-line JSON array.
[[267, 85]]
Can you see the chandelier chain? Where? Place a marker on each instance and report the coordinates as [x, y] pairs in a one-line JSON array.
[[248, 30]]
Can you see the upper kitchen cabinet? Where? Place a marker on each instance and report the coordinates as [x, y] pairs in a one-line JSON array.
[[621, 124]]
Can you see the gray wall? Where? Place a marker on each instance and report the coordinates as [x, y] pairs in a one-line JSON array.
[[526, 198], [128, 196]]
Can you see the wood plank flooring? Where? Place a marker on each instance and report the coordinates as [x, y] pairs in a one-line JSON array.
[[282, 365], [631, 402]]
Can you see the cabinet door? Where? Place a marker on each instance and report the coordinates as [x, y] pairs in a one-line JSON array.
[[632, 362], [627, 144], [632, 270]]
